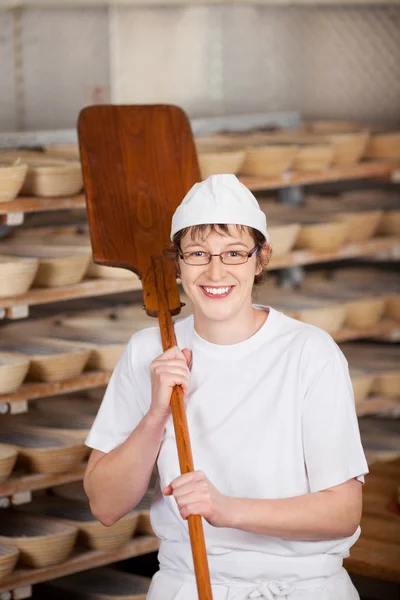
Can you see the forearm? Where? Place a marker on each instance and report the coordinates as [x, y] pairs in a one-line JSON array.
[[118, 481], [317, 516]]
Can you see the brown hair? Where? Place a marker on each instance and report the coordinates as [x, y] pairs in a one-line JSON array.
[[202, 232]]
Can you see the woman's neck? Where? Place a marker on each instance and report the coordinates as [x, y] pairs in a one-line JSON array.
[[224, 333]]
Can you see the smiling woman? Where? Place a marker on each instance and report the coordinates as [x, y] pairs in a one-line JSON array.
[[271, 416]]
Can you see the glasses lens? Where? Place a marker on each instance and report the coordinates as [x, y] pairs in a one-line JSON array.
[[196, 258], [234, 257]]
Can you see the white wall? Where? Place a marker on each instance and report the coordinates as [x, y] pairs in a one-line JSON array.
[[328, 62]]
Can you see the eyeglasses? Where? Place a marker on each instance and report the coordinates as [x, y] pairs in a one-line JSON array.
[[231, 257]]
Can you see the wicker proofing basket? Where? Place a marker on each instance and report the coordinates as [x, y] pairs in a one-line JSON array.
[[348, 148], [283, 237], [330, 318], [268, 161], [41, 542], [13, 370], [365, 313], [143, 508], [384, 145], [11, 180], [393, 307], [16, 275], [46, 453], [212, 163], [362, 383], [98, 584], [8, 458], [313, 158], [102, 272], [390, 222], [8, 559], [53, 180], [387, 384], [50, 360], [322, 237], [362, 225]]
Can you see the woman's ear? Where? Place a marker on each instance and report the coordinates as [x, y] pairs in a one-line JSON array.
[[263, 256]]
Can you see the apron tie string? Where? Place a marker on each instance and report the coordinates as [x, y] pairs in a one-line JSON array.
[[271, 590]]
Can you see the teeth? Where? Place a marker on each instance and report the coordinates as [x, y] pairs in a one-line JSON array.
[[217, 291]]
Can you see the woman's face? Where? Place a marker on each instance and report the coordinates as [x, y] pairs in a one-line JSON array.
[[219, 292]]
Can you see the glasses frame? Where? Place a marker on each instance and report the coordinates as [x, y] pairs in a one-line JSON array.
[[249, 255]]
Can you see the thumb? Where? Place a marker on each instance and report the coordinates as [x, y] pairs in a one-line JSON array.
[[188, 355]]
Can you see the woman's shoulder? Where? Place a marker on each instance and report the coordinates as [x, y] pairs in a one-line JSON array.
[[311, 340]]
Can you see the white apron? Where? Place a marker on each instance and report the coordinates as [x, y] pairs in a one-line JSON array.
[[256, 575]]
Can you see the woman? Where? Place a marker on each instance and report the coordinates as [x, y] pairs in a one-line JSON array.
[[271, 418]]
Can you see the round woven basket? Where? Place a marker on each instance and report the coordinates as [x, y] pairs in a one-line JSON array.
[[46, 453], [143, 508], [331, 318], [348, 148], [41, 542], [98, 584], [212, 163], [390, 222], [53, 180], [384, 145], [71, 491], [11, 179], [51, 360], [92, 533], [323, 127], [322, 237], [13, 370], [102, 272], [8, 458], [393, 307], [268, 161], [8, 559], [387, 384], [16, 274], [362, 224], [362, 383], [365, 313], [283, 237], [313, 158], [60, 271]]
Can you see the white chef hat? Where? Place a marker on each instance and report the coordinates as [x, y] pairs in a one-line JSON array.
[[219, 199]]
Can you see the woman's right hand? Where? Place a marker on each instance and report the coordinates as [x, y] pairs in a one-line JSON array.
[[168, 370]]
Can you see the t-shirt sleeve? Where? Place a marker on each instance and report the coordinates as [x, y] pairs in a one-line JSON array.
[[122, 407], [333, 451]]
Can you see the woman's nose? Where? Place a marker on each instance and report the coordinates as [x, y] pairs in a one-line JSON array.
[[216, 268]]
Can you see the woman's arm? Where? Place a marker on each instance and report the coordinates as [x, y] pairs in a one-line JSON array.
[[329, 514], [116, 481]]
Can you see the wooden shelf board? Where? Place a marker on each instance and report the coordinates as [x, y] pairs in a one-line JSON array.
[[379, 405], [38, 481], [363, 170], [80, 561], [84, 289], [35, 390], [26, 204], [367, 169], [387, 246]]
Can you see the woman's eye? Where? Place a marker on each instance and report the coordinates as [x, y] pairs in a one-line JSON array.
[[233, 254], [197, 254]]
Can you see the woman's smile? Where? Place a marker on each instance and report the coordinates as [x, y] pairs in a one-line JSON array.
[[216, 293]]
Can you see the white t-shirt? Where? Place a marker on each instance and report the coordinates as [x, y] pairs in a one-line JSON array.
[[270, 417]]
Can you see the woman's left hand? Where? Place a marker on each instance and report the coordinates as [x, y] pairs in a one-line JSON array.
[[196, 495]]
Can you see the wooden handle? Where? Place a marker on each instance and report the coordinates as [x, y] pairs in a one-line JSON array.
[[195, 524]]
